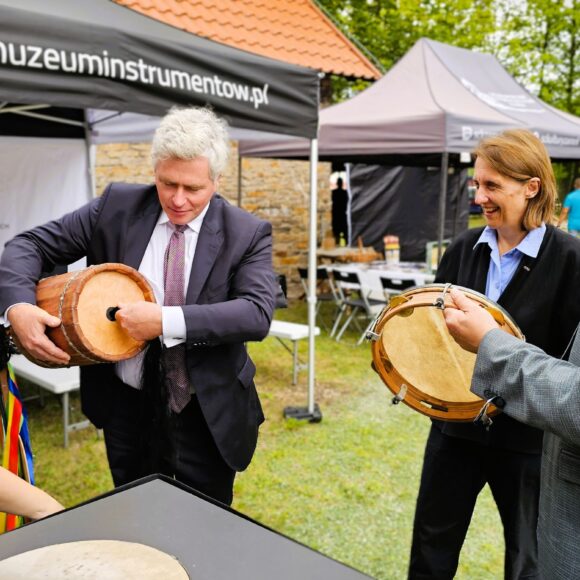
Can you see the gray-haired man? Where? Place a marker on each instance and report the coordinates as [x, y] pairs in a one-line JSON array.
[[203, 430]]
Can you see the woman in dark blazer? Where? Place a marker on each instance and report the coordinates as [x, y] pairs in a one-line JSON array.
[[532, 270]]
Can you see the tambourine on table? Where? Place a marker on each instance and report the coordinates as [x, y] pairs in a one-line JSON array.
[[86, 302], [419, 361]]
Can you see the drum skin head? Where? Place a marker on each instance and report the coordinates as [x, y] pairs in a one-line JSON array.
[[93, 301], [419, 361], [93, 560], [422, 350]]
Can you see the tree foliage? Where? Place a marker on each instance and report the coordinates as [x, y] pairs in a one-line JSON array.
[[538, 41]]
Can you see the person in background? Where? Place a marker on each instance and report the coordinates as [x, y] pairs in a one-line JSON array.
[[339, 208], [539, 390], [19, 497], [532, 269], [188, 408], [571, 210]]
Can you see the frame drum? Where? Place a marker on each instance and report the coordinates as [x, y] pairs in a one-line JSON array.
[[84, 301], [419, 361]]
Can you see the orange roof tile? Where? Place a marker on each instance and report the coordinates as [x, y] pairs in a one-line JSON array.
[[294, 31]]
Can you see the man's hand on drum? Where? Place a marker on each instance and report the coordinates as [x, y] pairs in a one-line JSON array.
[[140, 320], [29, 323], [467, 321]]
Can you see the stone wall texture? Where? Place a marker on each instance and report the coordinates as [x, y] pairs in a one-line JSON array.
[[275, 190]]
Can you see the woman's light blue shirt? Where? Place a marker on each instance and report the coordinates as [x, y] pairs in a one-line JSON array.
[[502, 268]]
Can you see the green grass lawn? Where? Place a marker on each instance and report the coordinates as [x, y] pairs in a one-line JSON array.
[[346, 486]]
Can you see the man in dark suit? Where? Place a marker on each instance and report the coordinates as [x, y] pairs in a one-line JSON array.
[[189, 407]]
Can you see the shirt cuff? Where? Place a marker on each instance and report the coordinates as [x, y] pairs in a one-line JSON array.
[[4, 319], [174, 329]]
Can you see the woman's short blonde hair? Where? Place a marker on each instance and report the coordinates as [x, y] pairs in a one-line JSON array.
[[520, 155]]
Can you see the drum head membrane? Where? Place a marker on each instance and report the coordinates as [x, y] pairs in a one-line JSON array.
[[420, 347], [93, 560], [101, 291]]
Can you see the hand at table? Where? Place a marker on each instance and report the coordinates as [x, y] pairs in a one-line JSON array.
[[467, 321]]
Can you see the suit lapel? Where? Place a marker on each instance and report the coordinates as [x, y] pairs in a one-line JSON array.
[[208, 246], [140, 230]]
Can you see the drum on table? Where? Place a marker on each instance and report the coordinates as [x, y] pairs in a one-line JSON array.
[[419, 361], [86, 302]]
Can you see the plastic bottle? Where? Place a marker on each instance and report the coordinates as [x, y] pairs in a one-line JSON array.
[[392, 249]]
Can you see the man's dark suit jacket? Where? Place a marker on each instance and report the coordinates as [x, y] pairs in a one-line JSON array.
[[230, 299]]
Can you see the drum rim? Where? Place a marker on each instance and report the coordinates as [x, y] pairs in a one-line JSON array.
[[482, 297], [415, 398]]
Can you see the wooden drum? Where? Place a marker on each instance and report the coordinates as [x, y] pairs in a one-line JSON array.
[[83, 301], [419, 361]]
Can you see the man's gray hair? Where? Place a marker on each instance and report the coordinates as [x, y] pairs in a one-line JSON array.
[[190, 133]]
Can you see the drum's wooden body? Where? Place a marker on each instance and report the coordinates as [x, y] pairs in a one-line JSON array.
[[419, 361], [81, 300]]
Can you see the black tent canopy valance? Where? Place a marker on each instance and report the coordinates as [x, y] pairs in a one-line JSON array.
[[97, 54]]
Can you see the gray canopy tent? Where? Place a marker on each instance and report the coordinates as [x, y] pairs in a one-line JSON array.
[[437, 102], [100, 72]]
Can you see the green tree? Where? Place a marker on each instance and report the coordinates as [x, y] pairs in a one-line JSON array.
[[389, 28], [538, 41]]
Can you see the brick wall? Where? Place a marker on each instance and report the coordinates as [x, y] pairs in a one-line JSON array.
[[275, 190]]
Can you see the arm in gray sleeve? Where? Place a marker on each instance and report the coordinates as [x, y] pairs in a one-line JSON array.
[[537, 389]]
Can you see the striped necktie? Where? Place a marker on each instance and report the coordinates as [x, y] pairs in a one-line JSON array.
[[174, 358]]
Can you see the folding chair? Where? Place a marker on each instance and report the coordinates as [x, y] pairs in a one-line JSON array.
[[352, 295], [394, 286], [322, 279]]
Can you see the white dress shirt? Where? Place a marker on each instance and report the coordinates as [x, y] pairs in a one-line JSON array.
[[174, 329]]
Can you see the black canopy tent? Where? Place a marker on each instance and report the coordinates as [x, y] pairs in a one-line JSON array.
[[68, 68], [97, 54]]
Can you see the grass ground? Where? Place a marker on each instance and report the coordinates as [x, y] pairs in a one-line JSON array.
[[345, 486]]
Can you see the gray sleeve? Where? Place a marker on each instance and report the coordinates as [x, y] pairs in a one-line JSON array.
[[537, 389]]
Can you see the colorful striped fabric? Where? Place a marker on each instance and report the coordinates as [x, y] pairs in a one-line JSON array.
[[17, 452]]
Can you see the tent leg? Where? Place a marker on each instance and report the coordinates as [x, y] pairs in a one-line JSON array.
[[239, 179], [91, 159], [459, 202], [312, 412], [442, 201]]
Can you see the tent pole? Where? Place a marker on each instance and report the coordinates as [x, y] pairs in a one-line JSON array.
[[91, 158], [442, 200], [312, 243], [312, 412], [239, 179]]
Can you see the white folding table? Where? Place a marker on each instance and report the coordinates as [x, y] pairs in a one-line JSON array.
[[58, 381]]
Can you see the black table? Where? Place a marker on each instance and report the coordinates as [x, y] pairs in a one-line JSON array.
[[211, 541]]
